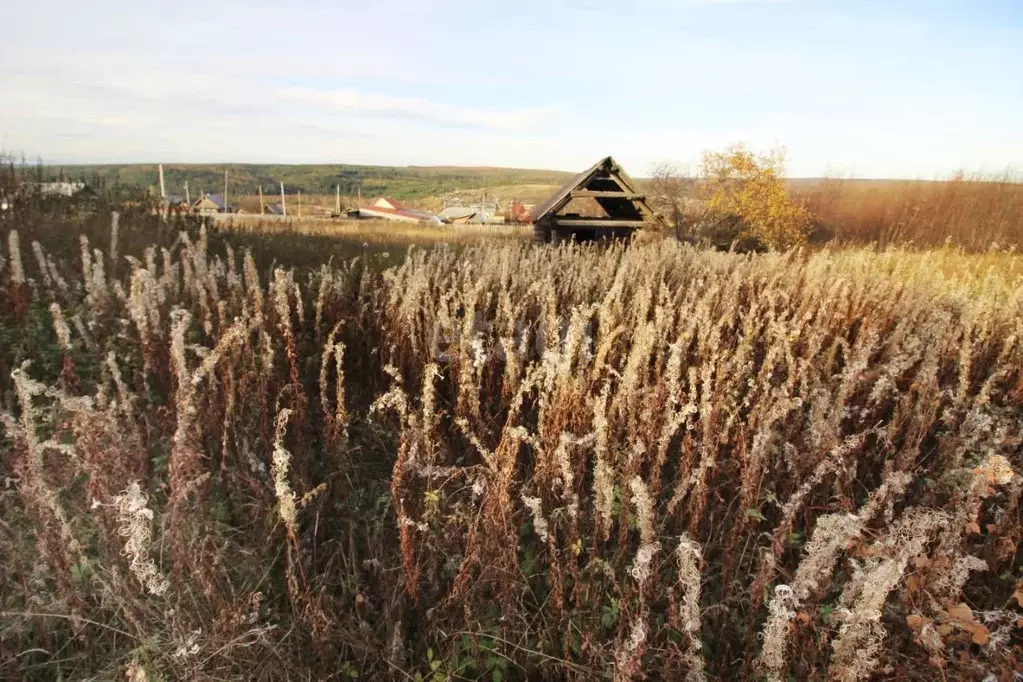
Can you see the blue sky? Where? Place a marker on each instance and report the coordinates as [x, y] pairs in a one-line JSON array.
[[859, 88]]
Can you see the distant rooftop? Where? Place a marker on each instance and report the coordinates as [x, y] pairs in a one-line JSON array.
[[216, 199]]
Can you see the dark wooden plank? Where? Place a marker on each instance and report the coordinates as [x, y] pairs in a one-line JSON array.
[[595, 222], [583, 193]]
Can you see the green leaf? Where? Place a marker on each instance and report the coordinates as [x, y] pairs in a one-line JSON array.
[[429, 654], [752, 513], [496, 675], [435, 665]]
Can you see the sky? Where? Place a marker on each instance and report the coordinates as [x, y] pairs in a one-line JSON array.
[[857, 88]]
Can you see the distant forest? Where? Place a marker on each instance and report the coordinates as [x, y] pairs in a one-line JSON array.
[[411, 182]]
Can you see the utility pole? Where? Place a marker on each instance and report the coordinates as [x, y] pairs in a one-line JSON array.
[[299, 203], [337, 202], [260, 199], [188, 199], [225, 191], [163, 190], [284, 206]]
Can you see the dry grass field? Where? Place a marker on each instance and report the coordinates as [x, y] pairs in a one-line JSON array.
[[974, 213], [376, 232], [275, 452]]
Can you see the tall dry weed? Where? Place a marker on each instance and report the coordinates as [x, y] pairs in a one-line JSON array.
[[506, 446]]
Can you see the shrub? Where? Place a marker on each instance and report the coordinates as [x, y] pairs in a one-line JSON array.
[[748, 200]]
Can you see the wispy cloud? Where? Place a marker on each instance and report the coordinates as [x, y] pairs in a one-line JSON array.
[[387, 106]]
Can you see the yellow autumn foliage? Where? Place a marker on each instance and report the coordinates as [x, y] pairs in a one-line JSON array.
[[746, 196]]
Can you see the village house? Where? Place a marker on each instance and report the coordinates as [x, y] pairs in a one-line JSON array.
[[211, 203], [387, 208]]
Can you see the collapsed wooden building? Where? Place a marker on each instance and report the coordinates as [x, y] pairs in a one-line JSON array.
[[599, 203]]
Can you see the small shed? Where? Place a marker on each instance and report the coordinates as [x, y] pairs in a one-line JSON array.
[[599, 203]]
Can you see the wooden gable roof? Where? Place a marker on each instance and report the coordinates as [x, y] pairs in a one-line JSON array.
[[606, 184]]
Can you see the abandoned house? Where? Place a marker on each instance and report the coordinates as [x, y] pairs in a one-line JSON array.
[[599, 203]]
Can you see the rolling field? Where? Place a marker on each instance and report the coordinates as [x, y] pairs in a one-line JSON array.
[[311, 454]]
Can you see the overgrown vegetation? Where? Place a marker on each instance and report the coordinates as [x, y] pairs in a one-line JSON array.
[[740, 199], [503, 461]]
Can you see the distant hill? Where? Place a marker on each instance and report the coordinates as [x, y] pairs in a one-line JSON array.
[[406, 183]]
